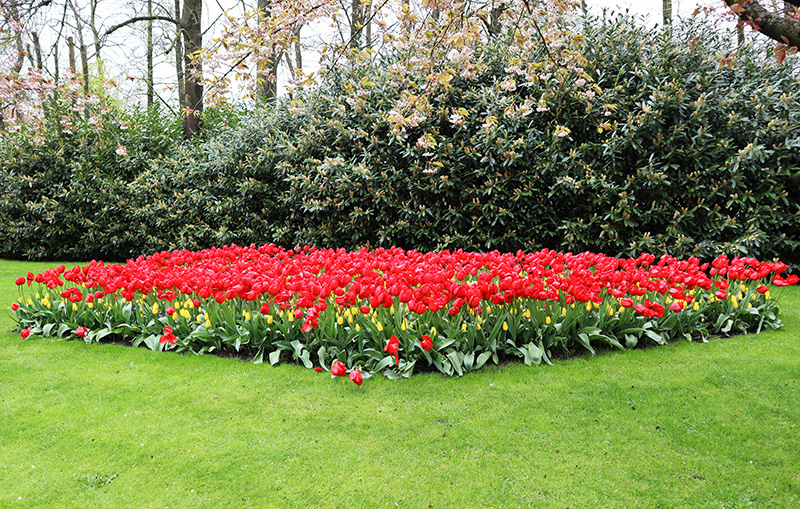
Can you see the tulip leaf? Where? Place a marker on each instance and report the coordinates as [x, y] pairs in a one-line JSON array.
[[455, 361], [152, 341], [321, 353], [445, 344], [385, 362], [655, 336], [583, 338], [305, 358], [482, 358], [274, 357], [390, 374], [534, 354], [258, 358], [469, 360]]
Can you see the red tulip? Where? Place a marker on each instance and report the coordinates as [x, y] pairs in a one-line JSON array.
[[762, 289], [338, 369], [721, 294], [14, 306], [626, 303], [20, 281], [168, 336], [25, 332], [355, 377], [170, 311], [676, 306], [392, 347], [426, 342], [81, 331], [318, 369]]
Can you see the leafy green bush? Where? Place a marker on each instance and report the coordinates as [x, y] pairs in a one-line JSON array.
[[671, 151], [657, 142], [64, 182], [216, 192]]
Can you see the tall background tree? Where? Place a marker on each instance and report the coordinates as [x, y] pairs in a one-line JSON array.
[[780, 23]]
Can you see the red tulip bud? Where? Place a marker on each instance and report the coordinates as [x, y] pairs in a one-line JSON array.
[[338, 369]]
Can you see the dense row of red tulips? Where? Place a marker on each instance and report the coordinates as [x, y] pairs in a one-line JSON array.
[[304, 282], [305, 278]]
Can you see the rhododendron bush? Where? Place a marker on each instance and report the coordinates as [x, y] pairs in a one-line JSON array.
[[391, 310]]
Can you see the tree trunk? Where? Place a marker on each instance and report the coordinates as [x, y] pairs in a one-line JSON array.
[[667, 11], [298, 53], [179, 57], [56, 74], [191, 20], [785, 30], [368, 24], [71, 45], [266, 79], [494, 22], [19, 60], [37, 48], [150, 99], [356, 24], [85, 67], [96, 35]]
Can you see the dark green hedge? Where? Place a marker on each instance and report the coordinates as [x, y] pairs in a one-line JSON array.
[[694, 157]]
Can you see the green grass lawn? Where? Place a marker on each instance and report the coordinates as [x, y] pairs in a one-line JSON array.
[[686, 425]]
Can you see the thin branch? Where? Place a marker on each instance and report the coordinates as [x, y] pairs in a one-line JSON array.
[[136, 19]]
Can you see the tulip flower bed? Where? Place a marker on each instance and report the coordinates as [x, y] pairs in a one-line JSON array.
[[391, 311]]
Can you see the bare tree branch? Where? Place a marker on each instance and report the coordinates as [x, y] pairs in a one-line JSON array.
[[137, 19]]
